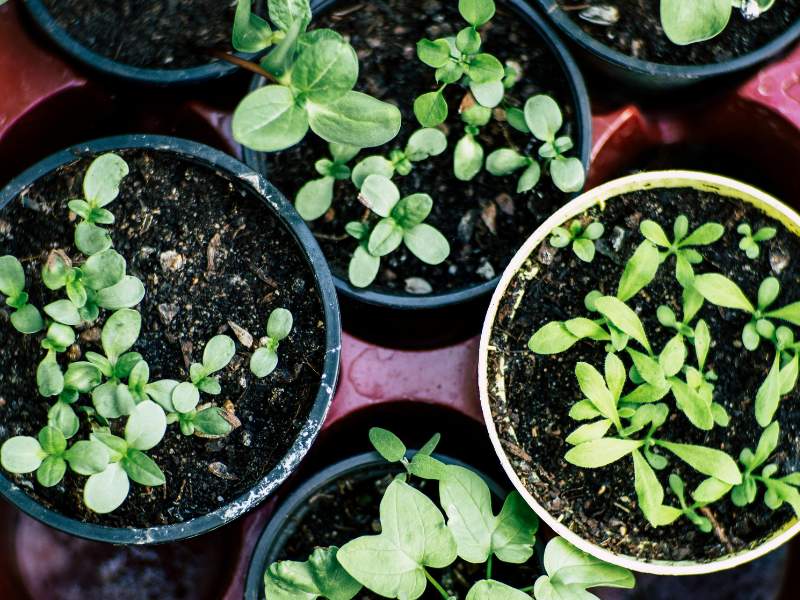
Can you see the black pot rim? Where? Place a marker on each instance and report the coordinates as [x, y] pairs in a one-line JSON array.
[[662, 70], [280, 526], [580, 100], [139, 75], [221, 162]]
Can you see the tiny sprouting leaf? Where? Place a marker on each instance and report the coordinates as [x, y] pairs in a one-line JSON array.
[[708, 461], [467, 158], [102, 179], [283, 13], [623, 318], [687, 22], [468, 41], [489, 589], [145, 426], [588, 432], [424, 143], [185, 397], [434, 53], [218, 353], [430, 109], [21, 454], [484, 68], [354, 119], [250, 33], [49, 378], [105, 492], [371, 165], [211, 423], [55, 270], [476, 12], [599, 453], [51, 471], [62, 416], [12, 276], [279, 324], [314, 198], [489, 94], [126, 293], [552, 338], [710, 490], [64, 311], [543, 117], [263, 362], [653, 232], [387, 444], [692, 404], [706, 234], [379, 194], [120, 332], [363, 267], [639, 271], [595, 389], [582, 327], [427, 243], [103, 270], [650, 494], [385, 238], [91, 239], [87, 457], [393, 563], [721, 291], [412, 210], [505, 161], [567, 174], [142, 469], [27, 319]]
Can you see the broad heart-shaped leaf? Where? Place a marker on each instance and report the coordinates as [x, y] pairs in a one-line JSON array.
[[251, 33], [104, 492], [379, 194], [427, 243], [413, 536], [314, 198], [21, 454], [623, 318], [570, 572], [466, 499], [485, 68], [489, 589], [320, 576], [355, 119], [650, 493], [120, 332], [269, 119], [602, 452], [424, 143], [690, 21], [145, 426], [12, 276], [102, 179], [639, 271], [363, 267], [434, 53], [543, 117], [127, 293], [708, 461], [720, 290], [285, 12], [326, 70], [27, 319]]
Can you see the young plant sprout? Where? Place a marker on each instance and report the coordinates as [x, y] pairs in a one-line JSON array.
[[689, 21], [749, 242], [401, 223], [312, 75], [265, 358], [118, 379], [468, 155], [315, 197], [417, 536], [625, 419], [542, 119], [582, 238]]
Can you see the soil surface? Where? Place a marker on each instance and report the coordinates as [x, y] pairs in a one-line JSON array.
[[533, 422], [154, 34], [209, 254], [484, 220], [638, 32], [349, 508]]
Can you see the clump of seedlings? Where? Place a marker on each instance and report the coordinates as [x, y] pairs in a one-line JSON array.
[[689, 21], [750, 241], [116, 380], [628, 398], [417, 536], [265, 358], [581, 237]]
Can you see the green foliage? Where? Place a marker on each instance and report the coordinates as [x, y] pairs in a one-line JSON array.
[[313, 75], [688, 21], [415, 536], [750, 241], [582, 237], [25, 317], [265, 358]]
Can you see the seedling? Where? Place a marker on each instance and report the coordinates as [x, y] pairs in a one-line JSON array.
[[688, 21], [401, 223], [265, 358], [313, 75], [315, 197], [468, 155], [26, 318], [416, 537], [218, 353], [581, 237], [750, 241], [542, 118]]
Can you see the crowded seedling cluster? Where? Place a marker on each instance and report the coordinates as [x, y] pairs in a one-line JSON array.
[[417, 536], [115, 378], [690, 21], [631, 396]]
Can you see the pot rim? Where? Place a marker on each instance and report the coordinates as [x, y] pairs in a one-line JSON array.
[[639, 181], [280, 525], [583, 121], [141, 75], [663, 70], [307, 245]]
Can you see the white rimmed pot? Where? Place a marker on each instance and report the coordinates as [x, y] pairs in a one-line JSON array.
[[605, 193]]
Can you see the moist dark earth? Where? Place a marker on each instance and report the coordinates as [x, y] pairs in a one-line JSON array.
[[600, 505], [154, 34], [209, 253], [484, 220], [638, 32], [349, 507]]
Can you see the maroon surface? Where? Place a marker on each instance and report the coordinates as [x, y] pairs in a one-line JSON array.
[[46, 104]]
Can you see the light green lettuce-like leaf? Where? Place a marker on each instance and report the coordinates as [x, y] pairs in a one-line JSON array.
[[146, 426], [552, 338], [602, 452], [379, 194], [720, 290], [689, 21], [355, 119], [567, 174], [120, 332], [285, 12], [434, 53], [269, 120], [708, 461], [320, 576], [104, 492], [218, 353], [21, 454], [91, 239], [476, 12], [385, 238], [489, 589], [430, 109], [102, 179], [651, 494], [250, 33]]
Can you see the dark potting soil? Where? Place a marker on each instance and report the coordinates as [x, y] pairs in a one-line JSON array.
[[154, 34], [600, 505], [209, 254], [484, 219], [638, 32]]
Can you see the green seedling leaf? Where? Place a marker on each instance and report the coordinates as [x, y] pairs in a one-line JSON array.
[[687, 21], [142, 469], [12, 276], [363, 267], [218, 353], [211, 423], [251, 33], [769, 394], [639, 271], [127, 293], [505, 161], [379, 194], [105, 492], [21, 454], [120, 333], [552, 338], [543, 117], [102, 179], [325, 71], [692, 404], [651, 494], [623, 318], [185, 397], [387, 444], [488, 589], [430, 109], [145, 426], [269, 120], [385, 238], [476, 12], [321, 576], [87, 457], [412, 210], [427, 243], [263, 362], [707, 461], [372, 165], [283, 13], [599, 453], [103, 270], [434, 53], [27, 319], [467, 158], [721, 291], [355, 119], [424, 143], [484, 68], [567, 174], [489, 94]]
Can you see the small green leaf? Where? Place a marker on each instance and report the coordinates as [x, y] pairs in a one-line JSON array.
[[388, 445], [696, 409], [706, 234], [721, 291], [653, 232], [710, 490], [12, 276], [427, 243], [185, 397], [91, 239], [64, 312], [594, 388], [412, 210], [363, 267], [103, 269], [583, 249], [51, 471], [476, 12], [21, 454], [120, 332], [708, 461], [769, 394], [385, 237], [102, 179], [87, 457], [543, 117], [702, 342], [325, 71], [52, 440], [142, 469], [355, 119], [688, 21], [49, 378], [434, 53], [161, 393], [567, 174], [485, 68], [430, 109], [379, 194], [639, 271], [251, 33], [599, 453], [789, 313], [263, 362], [62, 416], [552, 338], [283, 13], [673, 356], [623, 318], [145, 426], [127, 293], [467, 158], [105, 492], [488, 589], [372, 165], [269, 120], [27, 319], [218, 353], [650, 494], [489, 94], [505, 161], [424, 143], [320, 576]]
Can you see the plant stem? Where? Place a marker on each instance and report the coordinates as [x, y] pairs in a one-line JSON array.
[[245, 64], [489, 566], [527, 589], [436, 584]]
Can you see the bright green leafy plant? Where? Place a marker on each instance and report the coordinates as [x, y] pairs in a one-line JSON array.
[[581, 237], [750, 241], [26, 318], [691, 21], [312, 75], [416, 536], [265, 358]]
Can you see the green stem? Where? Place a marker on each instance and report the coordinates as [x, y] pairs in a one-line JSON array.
[[527, 589], [489, 566], [436, 584]]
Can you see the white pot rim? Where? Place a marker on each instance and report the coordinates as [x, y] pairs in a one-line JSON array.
[[648, 180]]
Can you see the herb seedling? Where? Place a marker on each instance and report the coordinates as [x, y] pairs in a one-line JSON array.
[[750, 241], [582, 238], [468, 155], [315, 197], [688, 21], [26, 318], [401, 223], [416, 537], [265, 358], [543, 120], [312, 75]]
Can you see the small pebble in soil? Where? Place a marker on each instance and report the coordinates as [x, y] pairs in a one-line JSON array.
[[417, 285], [220, 470], [486, 270], [171, 260], [600, 14], [778, 259], [167, 312]]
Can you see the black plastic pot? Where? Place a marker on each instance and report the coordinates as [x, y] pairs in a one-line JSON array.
[[242, 176], [130, 74], [286, 519], [476, 293], [653, 76]]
